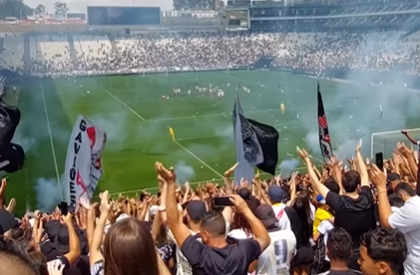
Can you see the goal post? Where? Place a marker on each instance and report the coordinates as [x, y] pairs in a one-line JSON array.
[[386, 142]]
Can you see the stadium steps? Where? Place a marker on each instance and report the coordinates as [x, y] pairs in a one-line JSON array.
[[27, 51], [73, 54], [113, 44]]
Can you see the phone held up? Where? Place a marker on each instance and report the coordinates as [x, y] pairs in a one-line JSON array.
[[64, 208], [222, 201]]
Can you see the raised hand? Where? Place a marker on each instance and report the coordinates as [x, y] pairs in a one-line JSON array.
[[303, 154], [167, 174], [11, 207], [404, 132], [229, 172], [244, 183], [359, 146], [55, 267], [68, 219], [3, 187], [378, 177], [239, 204], [84, 202], [104, 206]]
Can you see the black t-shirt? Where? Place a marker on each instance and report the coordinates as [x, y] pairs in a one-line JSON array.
[[356, 216], [233, 259], [341, 272]]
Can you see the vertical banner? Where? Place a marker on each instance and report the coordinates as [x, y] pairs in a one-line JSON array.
[[324, 136], [83, 162]]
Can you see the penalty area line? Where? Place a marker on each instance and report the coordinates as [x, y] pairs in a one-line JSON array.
[[198, 158], [125, 105]]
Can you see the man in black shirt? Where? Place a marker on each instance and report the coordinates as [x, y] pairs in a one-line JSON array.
[[354, 211], [214, 255], [339, 249]]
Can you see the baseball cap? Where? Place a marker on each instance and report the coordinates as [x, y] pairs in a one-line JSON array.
[[265, 214], [196, 210], [277, 194], [393, 176], [52, 228], [320, 199], [7, 221], [153, 210], [122, 217]]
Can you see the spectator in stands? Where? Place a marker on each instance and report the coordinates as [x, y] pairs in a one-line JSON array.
[[276, 259], [214, 255], [304, 255], [383, 251], [354, 205], [405, 219], [14, 260], [127, 241], [339, 249]]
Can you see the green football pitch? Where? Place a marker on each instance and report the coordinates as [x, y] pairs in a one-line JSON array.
[[136, 118]]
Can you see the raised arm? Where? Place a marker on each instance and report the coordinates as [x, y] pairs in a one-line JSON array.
[[74, 242], [173, 219], [364, 177], [316, 184], [98, 234], [412, 140], [257, 228]]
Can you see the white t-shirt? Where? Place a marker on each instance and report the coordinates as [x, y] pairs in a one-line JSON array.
[[275, 260], [239, 234], [284, 222], [323, 228], [407, 220]]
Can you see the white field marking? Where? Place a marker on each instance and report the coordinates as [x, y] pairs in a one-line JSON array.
[[51, 140], [199, 159], [82, 93], [124, 104], [191, 184]]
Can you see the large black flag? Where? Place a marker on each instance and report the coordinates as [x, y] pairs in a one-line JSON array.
[[324, 136], [12, 156], [256, 145]]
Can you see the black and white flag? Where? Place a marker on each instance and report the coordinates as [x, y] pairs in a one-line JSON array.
[[256, 145]]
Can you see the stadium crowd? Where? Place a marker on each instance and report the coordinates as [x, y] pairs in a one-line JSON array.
[[56, 55], [361, 220], [333, 221]]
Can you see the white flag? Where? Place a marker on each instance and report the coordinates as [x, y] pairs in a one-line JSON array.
[[83, 162]]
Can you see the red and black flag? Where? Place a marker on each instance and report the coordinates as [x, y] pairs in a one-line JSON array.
[[324, 136]]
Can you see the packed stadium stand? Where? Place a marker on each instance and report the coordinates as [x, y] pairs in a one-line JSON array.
[[275, 224]]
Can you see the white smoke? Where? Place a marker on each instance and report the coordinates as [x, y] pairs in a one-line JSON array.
[[48, 194], [288, 166], [184, 172]]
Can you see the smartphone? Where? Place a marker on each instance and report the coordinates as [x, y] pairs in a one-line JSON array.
[[64, 208], [222, 201], [379, 160]]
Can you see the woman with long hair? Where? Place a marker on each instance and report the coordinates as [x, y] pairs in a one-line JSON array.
[[301, 223], [128, 247]]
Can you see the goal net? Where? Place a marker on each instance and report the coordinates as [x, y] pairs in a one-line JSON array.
[[386, 142]]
